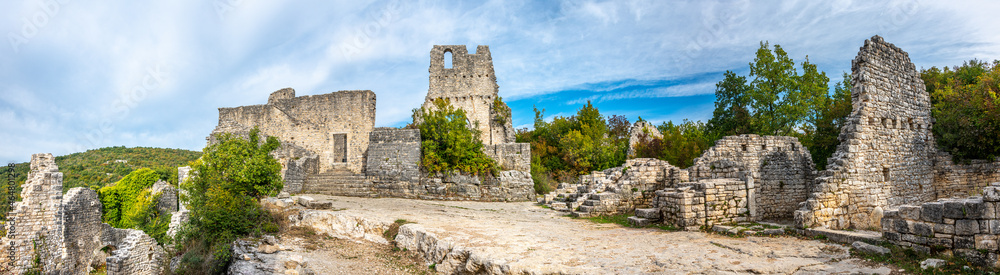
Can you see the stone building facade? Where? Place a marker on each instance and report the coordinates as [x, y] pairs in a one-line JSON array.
[[330, 145], [63, 232]]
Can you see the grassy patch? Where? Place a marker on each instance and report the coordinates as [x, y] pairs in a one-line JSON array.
[[390, 234], [622, 219], [909, 259]]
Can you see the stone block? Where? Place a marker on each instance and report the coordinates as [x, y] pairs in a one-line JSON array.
[[965, 242], [944, 228], [870, 249], [891, 236], [994, 226], [975, 209], [954, 210], [986, 241], [901, 226], [914, 239], [909, 212], [966, 227], [991, 194], [923, 229], [941, 240], [931, 212]]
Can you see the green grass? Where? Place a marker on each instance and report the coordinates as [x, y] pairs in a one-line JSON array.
[[909, 260]]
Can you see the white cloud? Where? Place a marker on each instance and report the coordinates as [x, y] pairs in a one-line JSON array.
[[62, 83]]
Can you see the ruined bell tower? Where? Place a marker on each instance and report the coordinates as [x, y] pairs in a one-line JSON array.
[[469, 83]]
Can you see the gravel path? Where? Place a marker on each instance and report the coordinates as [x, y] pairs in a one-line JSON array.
[[526, 237]]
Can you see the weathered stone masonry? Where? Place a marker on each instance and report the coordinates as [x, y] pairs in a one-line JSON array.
[[330, 145], [64, 232]]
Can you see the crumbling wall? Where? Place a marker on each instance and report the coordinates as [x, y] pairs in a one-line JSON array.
[[511, 156], [956, 180], [56, 234], [641, 129], [886, 147], [617, 190], [781, 167], [470, 84], [334, 126]]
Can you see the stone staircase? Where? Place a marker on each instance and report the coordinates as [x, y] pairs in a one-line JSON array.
[[598, 204], [645, 216], [337, 182]]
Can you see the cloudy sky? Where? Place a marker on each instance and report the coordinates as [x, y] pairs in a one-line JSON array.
[[77, 76]]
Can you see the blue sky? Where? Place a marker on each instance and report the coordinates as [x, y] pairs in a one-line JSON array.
[[77, 76]]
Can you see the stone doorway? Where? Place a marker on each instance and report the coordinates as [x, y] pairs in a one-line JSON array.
[[339, 148]]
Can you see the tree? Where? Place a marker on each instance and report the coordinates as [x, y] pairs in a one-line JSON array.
[[732, 102], [831, 115], [966, 109], [449, 144], [224, 191]]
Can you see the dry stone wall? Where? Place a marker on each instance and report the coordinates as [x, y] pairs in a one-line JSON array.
[[969, 227], [692, 205], [886, 151], [394, 154], [958, 180], [64, 232], [781, 167]]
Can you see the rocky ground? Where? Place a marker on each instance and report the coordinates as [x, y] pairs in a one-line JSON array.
[[523, 237]]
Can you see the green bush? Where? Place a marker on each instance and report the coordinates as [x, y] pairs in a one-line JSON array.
[[450, 144], [223, 195], [129, 203]]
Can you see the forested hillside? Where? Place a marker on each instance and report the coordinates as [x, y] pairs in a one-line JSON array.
[[99, 167]]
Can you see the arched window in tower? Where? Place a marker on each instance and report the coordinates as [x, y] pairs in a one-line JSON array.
[[448, 63]]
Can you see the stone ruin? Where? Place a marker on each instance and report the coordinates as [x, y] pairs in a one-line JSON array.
[[886, 175], [742, 178], [329, 144], [641, 131], [55, 233]]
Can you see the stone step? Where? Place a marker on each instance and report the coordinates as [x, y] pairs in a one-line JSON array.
[[648, 213], [605, 196], [639, 222], [592, 203], [578, 214], [586, 208]]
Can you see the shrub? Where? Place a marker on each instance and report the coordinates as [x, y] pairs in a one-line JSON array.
[[449, 143], [223, 195], [129, 203]]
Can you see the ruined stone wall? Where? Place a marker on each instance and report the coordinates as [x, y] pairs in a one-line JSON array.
[[64, 232], [511, 156], [885, 155], [705, 203], [394, 154], [470, 84], [639, 130], [781, 168], [968, 227], [956, 180], [334, 126]]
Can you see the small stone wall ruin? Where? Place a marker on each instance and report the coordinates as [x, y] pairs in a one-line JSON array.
[[692, 205], [63, 232]]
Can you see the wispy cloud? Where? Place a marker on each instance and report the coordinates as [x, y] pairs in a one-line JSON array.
[[65, 63]]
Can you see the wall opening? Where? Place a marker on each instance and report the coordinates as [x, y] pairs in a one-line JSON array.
[[339, 148], [744, 147], [448, 62], [885, 173]]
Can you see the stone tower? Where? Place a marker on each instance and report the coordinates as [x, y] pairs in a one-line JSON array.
[[470, 84], [886, 151]]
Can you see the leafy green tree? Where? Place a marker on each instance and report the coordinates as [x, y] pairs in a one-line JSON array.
[[680, 144], [450, 144], [732, 107], [224, 191], [821, 135], [966, 109]]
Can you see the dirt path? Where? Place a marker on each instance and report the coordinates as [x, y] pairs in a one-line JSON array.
[[525, 237]]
